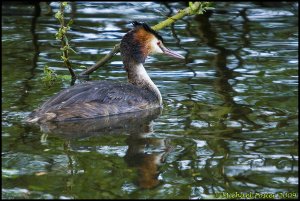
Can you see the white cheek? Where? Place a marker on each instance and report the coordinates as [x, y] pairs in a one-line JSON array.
[[154, 47]]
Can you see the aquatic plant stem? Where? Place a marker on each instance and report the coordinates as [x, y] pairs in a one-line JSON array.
[[101, 62], [64, 40]]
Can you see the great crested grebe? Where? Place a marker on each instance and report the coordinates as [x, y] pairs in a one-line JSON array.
[[102, 98]]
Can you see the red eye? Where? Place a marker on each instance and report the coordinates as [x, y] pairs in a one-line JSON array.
[[158, 43]]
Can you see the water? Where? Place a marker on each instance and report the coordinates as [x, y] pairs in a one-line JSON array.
[[229, 124]]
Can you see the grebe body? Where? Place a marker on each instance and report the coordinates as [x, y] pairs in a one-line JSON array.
[[102, 98]]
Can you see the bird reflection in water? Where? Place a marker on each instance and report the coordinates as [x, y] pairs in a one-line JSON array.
[[146, 162], [143, 153]]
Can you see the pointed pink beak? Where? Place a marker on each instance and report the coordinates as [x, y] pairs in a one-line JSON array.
[[169, 52]]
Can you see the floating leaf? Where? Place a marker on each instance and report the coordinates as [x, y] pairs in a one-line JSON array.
[[65, 77], [58, 15], [64, 58], [70, 22], [40, 173], [72, 50]]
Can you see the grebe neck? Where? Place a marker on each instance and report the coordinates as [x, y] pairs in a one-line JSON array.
[[137, 75]]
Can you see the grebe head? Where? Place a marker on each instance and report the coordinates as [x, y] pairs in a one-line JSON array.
[[141, 41]]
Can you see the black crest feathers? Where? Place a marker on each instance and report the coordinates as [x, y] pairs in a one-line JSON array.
[[147, 28]]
